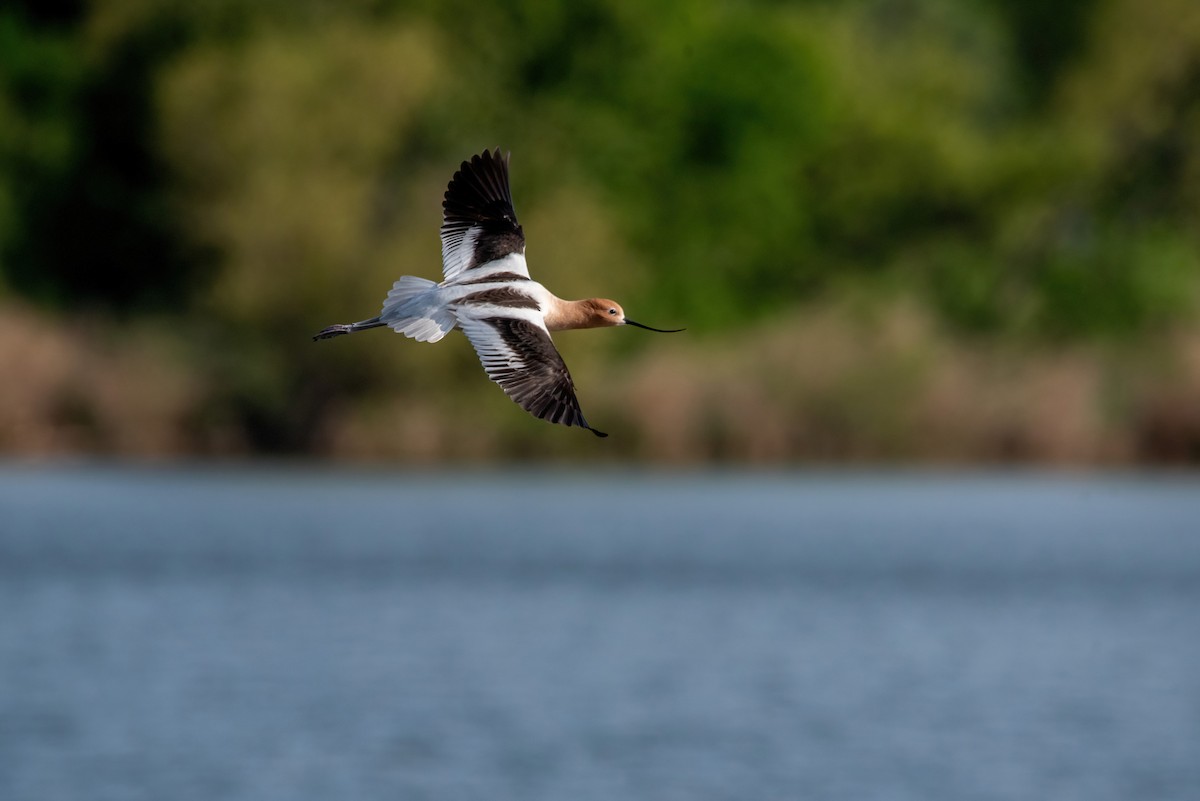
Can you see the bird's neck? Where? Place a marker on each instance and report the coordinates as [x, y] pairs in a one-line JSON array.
[[563, 315]]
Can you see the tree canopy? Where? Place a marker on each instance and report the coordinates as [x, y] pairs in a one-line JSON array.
[[1022, 171]]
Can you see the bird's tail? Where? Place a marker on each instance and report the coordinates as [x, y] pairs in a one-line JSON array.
[[414, 309], [404, 290]]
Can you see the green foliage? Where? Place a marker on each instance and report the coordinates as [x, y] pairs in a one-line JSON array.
[[40, 74], [259, 169], [93, 222], [745, 156], [1045, 38]]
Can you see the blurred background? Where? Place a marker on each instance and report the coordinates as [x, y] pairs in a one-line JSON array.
[[896, 230], [909, 511]]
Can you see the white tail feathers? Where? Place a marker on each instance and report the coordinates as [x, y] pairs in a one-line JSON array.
[[405, 289], [413, 308]]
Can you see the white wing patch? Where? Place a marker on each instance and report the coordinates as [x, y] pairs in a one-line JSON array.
[[496, 355], [458, 250]]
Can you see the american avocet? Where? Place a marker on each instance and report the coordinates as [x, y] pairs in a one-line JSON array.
[[487, 292]]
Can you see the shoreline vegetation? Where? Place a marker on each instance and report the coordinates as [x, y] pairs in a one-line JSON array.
[[825, 385], [896, 230]]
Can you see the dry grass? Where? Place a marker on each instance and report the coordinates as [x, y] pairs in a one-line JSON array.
[[85, 387], [831, 384]]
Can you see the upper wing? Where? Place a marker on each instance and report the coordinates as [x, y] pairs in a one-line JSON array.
[[479, 224], [517, 354]]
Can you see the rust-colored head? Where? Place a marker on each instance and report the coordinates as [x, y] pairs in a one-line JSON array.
[[602, 312]]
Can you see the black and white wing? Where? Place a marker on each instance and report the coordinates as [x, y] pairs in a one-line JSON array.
[[479, 225], [518, 354]]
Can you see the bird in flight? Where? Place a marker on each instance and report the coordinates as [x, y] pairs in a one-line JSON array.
[[487, 292]]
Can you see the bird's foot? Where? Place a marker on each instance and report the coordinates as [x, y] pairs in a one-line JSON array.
[[333, 331]]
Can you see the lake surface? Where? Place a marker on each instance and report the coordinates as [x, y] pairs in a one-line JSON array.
[[292, 634]]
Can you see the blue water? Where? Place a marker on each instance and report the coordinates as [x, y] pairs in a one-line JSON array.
[[248, 634]]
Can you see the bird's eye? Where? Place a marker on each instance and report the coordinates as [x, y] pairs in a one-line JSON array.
[[612, 311]]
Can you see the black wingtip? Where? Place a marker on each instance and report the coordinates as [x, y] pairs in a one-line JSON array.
[[485, 160], [479, 192], [495, 154], [584, 424]]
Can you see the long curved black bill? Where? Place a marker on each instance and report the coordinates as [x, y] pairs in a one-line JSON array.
[[659, 330]]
